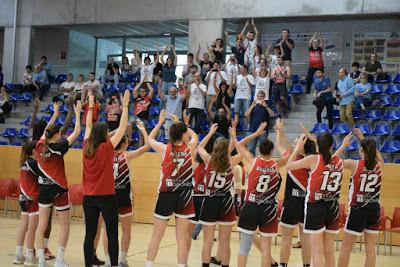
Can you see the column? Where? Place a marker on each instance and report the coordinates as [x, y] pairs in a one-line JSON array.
[[202, 32]]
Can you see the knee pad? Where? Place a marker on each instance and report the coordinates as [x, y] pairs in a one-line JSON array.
[[245, 244]]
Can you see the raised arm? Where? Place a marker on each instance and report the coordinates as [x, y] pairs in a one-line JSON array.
[[281, 143], [228, 44], [123, 123], [163, 53], [138, 152], [241, 147], [249, 110], [174, 54], [157, 146], [244, 29], [345, 143], [151, 90], [56, 107], [311, 40], [321, 41], [197, 54], [211, 113], [255, 29], [201, 148], [357, 132], [227, 109], [89, 116], [77, 129], [304, 163]]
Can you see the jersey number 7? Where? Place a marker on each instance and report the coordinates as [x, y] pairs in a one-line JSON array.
[[179, 163]]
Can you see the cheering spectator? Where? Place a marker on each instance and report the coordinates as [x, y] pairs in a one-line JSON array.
[[92, 85], [189, 79], [109, 74], [231, 69], [273, 58], [238, 50], [323, 96], [315, 48], [5, 105], [223, 93], [222, 118], [45, 65], [146, 70], [258, 113], [257, 56], [136, 61], [205, 64], [256, 69], [40, 81], [244, 84], [189, 64], [142, 95], [214, 73], [280, 74], [28, 80], [126, 68], [345, 87], [68, 86], [169, 67], [79, 87], [249, 43], [196, 103], [157, 71], [114, 111], [355, 73], [287, 45], [262, 81], [373, 68], [362, 92], [218, 49], [96, 110]]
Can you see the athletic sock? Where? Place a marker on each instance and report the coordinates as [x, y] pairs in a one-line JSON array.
[[225, 265], [149, 264], [19, 250], [182, 265], [108, 260], [60, 253], [46, 242], [283, 264], [42, 259], [205, 265], [306, 265], [30, 254], [122, 256]]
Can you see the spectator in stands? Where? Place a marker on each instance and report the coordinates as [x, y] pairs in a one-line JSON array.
[[249, 42], [287, 45], [373, 68], [231, 69], [223, 93], [315, 48], [258, 113], [142, 95], [262, 81], [117, 74], [238, 50], [45, 66], [126, 68], [257, 56], [168, 70], [159, 66], [273, 58], [92, 85], [355, 73], [5, 105], [96, 110], [2, 75], [114, 111], [189, 64], [28, 80], [68, 86], [222, 118], [214, 73], [136, 61], [244, 84], [281, 73], [79, 87], [205, 64], [196, 104], [189, 79], [218, 49], [256, 68], [40, 81], [323, 96], [362, 92], [147, 69], [109, 74], [346, 97]]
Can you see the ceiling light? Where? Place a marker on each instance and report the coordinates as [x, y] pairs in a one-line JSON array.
[[166, 34]]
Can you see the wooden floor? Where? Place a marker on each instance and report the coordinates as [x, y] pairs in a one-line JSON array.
[[166, 256]]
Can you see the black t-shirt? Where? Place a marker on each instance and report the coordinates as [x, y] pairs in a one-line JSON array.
[[239, 54], [218, 55], [372, 67], [355, 74], [223, 126], [205, 68], [110, 69], [288, 52], [221, 95], [157, 68], [258, 115]]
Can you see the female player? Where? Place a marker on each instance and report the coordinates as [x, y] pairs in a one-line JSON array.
[[364, 193], [98, 180], [53, 185], [293, 208], [260, 208], [176, 186], [122, 183], [28, 200], [218, 204], [323, 190]]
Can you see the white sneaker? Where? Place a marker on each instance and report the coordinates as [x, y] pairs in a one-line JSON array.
[[61, 263], [30, 262], [19, 259], [42, 264], [123, 264]]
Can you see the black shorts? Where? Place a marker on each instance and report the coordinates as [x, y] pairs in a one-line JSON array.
[[198, 202], [178, 202], [124, 202], [279, 91], [238, 203], [50, 195], [261, 216], [218, 210], [292, 211], [363, 219], [28, 206], [322, 216]]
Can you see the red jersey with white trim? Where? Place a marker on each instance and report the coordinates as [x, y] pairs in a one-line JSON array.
[[264, 181], [176, 169], [121, 172], [325, 180], [51, 163], [29, 179], [365, 185], [299, 177], [219, 184], [198, 175]]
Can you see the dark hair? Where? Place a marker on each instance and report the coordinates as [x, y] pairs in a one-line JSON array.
[[222, 83], [219, 39], [50, 131], [44, 57], [176, 132], [355, 64], [98, 135], [71, 74], [320, 69], [166, 62], [190, 55], [38, 129], [123, 141], [81, 75], [252, 32], [266, 147], [115, 65], [245, 66], [92, 72], [369, 148], [285, 30], [217, 61], [26, 151], [27, 67], [310, 147], [193, 67], [325, 142], [219, 155], [147, 58]]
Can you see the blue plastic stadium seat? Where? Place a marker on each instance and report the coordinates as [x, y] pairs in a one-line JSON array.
[[297, 89], [77, 146], [353, 146], [320, 128], [23, 133], [336, 114], [18, 86], [397, 102], [27, 121], [152, 150], [381, 130], [295, 78], [46, 118], [240, 137], [356, 114], [64, 109], [3, 143], [10, 132], [61, 78], [386, 100], [154, 111], [387, 80], [392, 89], [112, 88], [16, 143], [201, 136], [10, 86], [391, 115], [364, 128], [397, 78], [156, 99], [340, 128], [131, 78], [48, 109], [397, 161], [372, 115], [14, 97], [396, 130], [161, 138], [377, 89], [356, 157], [390, 146], [60, 120], [81, 136], [152, 123], [135, 137], [27, 97]]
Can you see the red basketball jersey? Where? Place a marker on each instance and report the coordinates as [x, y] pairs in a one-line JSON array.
[[198, 175], [29, 179], [176, 169], [325, 180], [263, 181], [219, 184], [300, 176], [365, 185], [121, 171]]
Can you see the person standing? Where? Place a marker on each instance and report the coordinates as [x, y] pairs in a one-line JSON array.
[[168, 70], [287, 45], [244, 84], [196, 102], [323, 96], [250, 43], [315, 48], [238, 50], [345, 87], [214, 73], [280, 75]]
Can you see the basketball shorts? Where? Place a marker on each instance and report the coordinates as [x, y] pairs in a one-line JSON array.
[[218, 210], [363, 219], [322, 216], [198, 202], [28, 207], [124, 202], [292, 210], [178, 202], [261, 216], [50, 195]]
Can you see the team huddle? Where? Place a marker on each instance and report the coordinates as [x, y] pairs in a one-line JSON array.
[[212, 182]]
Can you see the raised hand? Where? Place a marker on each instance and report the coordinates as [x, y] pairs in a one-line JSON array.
[[163, 114], [140, 125], [232, 132], [235, 121], [127, 98], [278, 124], [252, 22], [186, 118], [56, 107], [261, 128], [214, 128], [174, 117], [78, 108], [91, 99], [357, 132], [300, 142], [347, 140]]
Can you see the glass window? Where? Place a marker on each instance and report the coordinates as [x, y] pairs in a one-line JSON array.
[[105, 48], [146, 44], [181, 43], [81, 49]]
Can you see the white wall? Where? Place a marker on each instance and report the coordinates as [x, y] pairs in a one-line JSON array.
[[1, 45]]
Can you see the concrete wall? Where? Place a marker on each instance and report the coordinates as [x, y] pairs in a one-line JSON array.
[[1, 45]]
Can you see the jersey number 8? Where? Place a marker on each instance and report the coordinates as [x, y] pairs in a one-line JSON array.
[[217, 180], [262, 185], [335, 177]]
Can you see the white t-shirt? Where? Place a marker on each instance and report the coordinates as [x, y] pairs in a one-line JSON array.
[[274, 62], [249, 46], [94, 83], [262, 84], [210, 86], [196, 99], [79, 87], [231, 70], [67, 85], [243, 89], [147, 70]]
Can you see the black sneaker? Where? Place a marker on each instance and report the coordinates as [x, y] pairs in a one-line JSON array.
[[274, 264], [214, 261], [96, 261]]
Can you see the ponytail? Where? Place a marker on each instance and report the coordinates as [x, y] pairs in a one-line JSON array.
[[26, 151], [369, 148], [50, 131], [325, 143]]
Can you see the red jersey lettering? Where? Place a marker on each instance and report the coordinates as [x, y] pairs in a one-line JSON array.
[[219, 184]]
